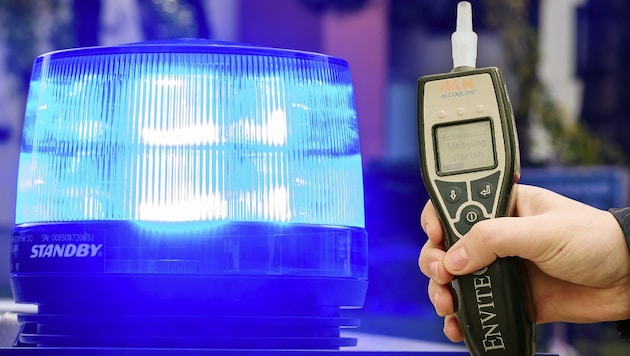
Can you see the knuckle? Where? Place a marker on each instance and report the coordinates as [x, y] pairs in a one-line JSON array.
[[483, 232]]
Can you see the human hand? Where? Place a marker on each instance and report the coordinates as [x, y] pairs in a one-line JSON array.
[[578, 262]]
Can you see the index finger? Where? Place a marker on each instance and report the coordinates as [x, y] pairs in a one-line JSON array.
[[431, 224]]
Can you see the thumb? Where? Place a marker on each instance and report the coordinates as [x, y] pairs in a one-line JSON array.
[[489, 239]]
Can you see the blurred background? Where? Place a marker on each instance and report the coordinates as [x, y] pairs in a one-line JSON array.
[[565, 66]]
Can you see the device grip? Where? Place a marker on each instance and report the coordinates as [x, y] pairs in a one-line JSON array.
[[495, 309]]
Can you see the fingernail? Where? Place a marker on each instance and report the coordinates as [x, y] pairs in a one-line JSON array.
[[456, 260], [434, 269], [426, 228], [436, 296]]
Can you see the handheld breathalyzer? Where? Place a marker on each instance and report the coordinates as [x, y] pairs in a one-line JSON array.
[[470, 165]]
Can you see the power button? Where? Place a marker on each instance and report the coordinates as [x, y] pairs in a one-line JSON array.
[[469, 215]]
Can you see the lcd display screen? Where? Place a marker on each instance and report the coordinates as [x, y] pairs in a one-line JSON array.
[[464, 147]]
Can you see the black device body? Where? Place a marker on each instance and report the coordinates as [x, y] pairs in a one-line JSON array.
[[470, 167]]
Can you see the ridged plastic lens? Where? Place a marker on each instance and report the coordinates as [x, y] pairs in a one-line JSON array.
[[214, 133]]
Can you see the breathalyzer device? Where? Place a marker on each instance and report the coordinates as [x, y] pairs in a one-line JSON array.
[[470, 165]]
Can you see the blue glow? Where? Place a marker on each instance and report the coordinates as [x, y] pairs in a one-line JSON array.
[[222, 179], [190, 131]]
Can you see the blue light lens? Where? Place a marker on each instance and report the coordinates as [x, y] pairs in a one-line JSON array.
[[186, 132], [221, 177]]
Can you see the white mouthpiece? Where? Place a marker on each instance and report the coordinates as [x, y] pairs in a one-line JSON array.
[[464, 39]]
